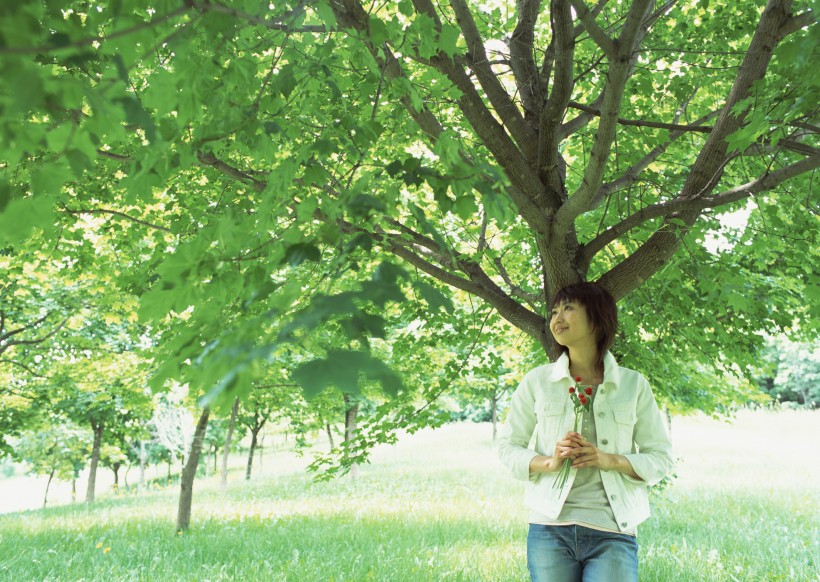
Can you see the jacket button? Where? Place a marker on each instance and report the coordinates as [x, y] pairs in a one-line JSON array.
[[600, 415], [623, 524], [604, 442], [613, 497]]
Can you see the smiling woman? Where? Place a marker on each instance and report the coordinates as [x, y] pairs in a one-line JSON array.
[[607, 441]]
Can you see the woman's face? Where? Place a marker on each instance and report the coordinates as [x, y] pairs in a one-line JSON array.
[[570, 324]]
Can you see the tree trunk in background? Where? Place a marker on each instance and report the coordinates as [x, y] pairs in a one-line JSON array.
[[351, 423], [186, 480], [254, 443], [45, 497], [115, 468], [227, 450], [95, 460], [494, 409], [329, 435], [143, 462]]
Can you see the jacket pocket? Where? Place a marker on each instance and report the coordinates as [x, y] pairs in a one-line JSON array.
[[625, 419], [550, 415]]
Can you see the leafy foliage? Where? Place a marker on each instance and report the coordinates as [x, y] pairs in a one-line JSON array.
[[278, 185]]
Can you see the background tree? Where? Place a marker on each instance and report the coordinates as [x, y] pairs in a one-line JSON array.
[[58, 450]]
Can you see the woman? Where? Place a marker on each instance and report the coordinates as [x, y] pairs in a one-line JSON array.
[[585, 529]]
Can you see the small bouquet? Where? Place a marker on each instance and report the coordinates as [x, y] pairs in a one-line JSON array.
[[581, 401]]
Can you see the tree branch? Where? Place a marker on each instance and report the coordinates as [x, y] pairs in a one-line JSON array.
[[112, 212], [679, 205], [89, 41], [796, 22], [500, 100], [596, 112], [595, 32], [617, 75], [24, 366], [549, 131], [521, 60], [708, 167], [633, 172]]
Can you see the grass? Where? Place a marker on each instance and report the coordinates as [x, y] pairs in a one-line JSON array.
[[438, 506]]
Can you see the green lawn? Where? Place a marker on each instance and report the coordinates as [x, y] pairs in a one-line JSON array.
[[438, 506]]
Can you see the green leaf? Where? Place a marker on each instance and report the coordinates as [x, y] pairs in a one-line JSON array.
[[301, 252], [448, 39], [326, 14], [363, 205], [345, 369], [20, 216], [434, 298]]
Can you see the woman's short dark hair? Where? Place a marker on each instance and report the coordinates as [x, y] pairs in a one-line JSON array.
[[601, 310]]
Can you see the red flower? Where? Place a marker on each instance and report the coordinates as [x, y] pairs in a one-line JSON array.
[[577, 378], [588, 391], [572, 389], [583, 399]]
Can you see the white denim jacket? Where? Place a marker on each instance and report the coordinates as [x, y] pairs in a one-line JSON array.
[[628, 423]]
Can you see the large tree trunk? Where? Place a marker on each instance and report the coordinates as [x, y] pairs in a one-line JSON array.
[[227, 449], [351, 424], [186, 481], [95, 460]]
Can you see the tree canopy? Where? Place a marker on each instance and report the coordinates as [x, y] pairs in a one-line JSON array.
[[263, 176]]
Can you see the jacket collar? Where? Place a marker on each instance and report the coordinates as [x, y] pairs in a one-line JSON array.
[[612, 373]]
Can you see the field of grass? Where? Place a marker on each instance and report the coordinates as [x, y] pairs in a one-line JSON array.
[[438, 506]]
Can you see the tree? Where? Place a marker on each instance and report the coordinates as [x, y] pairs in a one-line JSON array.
[[794, 374], [505, 152], [58, 450], [267, 174]]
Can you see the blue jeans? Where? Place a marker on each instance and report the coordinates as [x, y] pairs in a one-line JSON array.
[[573, 553]]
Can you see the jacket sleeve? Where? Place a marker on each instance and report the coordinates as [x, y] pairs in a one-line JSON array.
[[653, 458], [516, 434]]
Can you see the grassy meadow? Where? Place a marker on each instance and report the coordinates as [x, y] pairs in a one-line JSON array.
[[439, 506]]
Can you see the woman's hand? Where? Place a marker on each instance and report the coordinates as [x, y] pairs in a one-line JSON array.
[[546, 464], [584, 454]]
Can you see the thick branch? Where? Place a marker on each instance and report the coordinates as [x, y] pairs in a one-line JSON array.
[[6, 335], [522, 62], [797, 22], [633, 172], [595, 32], [5, 343], [549, 131], [492, 134], [478, 284], [762, 184], [708, 167], [617, 75], [498, 96]]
